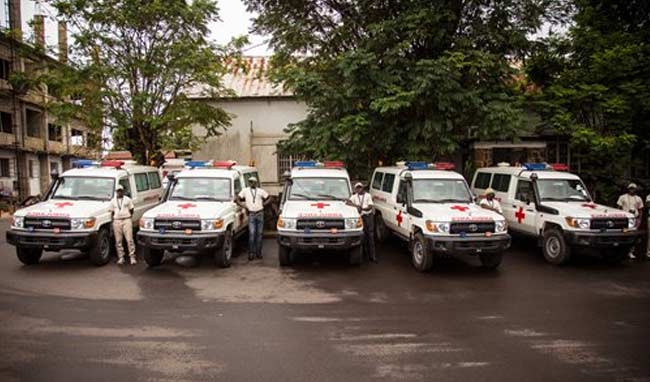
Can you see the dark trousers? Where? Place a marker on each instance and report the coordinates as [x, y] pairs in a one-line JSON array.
[[255, 230], [369, 236]]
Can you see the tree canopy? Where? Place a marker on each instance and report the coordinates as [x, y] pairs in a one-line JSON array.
[[134, 62], [400, 79]]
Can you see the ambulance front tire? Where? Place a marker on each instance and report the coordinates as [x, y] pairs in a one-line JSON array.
[[555, 248], [355, 257], [153, 257], [421, 257], [284, 255], [381, 231], [100, 250], [224, 253], [29, 256], [490, 260]]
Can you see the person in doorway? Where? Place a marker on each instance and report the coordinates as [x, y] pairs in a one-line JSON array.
[[490, 203], [363, 202], [254, 199], [647, 204], [632, 203], [121, 212]]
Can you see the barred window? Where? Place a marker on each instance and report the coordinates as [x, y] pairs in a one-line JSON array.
[[286, 161]]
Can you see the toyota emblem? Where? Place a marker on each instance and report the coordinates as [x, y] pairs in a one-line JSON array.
[[473, 227], [610, 224], [46, 223], [320, 224], [177, 225]]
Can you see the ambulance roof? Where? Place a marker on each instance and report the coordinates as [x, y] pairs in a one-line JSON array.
[[211, 172], [522, 172], [319, 172], [421, 174], [108, 172]]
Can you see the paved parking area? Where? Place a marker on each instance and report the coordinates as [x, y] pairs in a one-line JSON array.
[[325, 321]]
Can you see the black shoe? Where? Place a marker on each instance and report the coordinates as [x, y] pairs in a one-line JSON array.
[[251, 257], [375, 260]]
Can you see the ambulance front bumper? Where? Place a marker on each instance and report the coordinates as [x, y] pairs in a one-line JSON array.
[[320, 241], [51, 241], [470, 245], [602, 239], [180, 241]]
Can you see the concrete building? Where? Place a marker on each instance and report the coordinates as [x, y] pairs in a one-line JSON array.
[[32, 142], [260, 112]]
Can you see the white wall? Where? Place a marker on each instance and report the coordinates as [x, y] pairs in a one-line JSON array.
[[258, 124], [34, 182]]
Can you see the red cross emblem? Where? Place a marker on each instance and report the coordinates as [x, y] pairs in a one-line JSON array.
[[520, 215], [460, 208], [399, 218], [590, 205], [320, 205], [186, 205], [63, 204]]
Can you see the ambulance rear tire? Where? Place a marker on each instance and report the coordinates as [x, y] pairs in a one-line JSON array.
[[490, 260], [224, 253], [421, 257], [284, 255], [381, 232], [355, 256], [99, 252], [29, 256], [153, 257], [555, 248]]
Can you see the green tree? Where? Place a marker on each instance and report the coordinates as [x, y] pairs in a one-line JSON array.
[[595, 88], [134, 63], [401, 79]]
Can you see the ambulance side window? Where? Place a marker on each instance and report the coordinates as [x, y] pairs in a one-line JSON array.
[[387, 185], [524, 191], [501, 182], [376, 181], [124, 182], [401, 192], [482, 180]]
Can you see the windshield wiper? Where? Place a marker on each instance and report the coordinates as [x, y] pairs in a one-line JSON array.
[[451, 201], [328, 197], [304, 196], [208, 198], [555, 199], [181, 198], [90, 197], [425, 201], [63, 197]]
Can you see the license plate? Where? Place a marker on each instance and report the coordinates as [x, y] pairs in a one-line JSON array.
[[321, 246], [479, 250], [175, 246]]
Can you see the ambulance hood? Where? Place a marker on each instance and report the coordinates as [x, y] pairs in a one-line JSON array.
[[452, 212], [66, 208], [587, 210], [189, 209], [318, 209]]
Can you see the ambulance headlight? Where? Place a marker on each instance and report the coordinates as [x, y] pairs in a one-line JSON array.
[[500, 226], [285, 223], [631, 223], [353, 223], [437, 227], [82, 223], [211, 224], [579, 223], [146, 223], [19, 222]]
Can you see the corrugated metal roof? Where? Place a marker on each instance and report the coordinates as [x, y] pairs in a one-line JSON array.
[[247, 79]]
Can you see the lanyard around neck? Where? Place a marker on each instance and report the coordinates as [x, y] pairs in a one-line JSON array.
[[254, 195]]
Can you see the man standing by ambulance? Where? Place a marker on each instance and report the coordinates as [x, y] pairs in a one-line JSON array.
[[363, 202], [632, 203], [121, 211], [254, 199]]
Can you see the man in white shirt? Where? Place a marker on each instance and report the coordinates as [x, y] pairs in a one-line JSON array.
[[121, 211], [489, 202], [632, 203], [254, 199], [363, 202]]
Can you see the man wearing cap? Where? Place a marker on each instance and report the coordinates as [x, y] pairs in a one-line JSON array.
[[632, 203], [489, 202], [253, 199], [121, 211], [363, 202]]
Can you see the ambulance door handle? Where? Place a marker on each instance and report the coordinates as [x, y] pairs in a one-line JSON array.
[[530, 210]]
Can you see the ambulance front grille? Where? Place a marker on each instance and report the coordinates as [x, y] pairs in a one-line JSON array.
[[605, 223], [467, 227], [324, 224], [177, 224], [47, 223]]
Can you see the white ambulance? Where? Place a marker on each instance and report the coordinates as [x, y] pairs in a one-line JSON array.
[[431, 207], [75, 211], [314, 214], [553, 206], [199, 213]]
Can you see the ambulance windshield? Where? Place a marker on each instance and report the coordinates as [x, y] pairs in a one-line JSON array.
[[209, 189], [562, 190], [319, 189], [440, 191], [84, 188]]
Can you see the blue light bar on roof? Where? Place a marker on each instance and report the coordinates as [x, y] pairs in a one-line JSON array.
[[535, 166], [305, 163], [82, 163], [417, 165], [195, 163]]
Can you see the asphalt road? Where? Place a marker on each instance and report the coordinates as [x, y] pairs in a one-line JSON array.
[[322, 320]]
